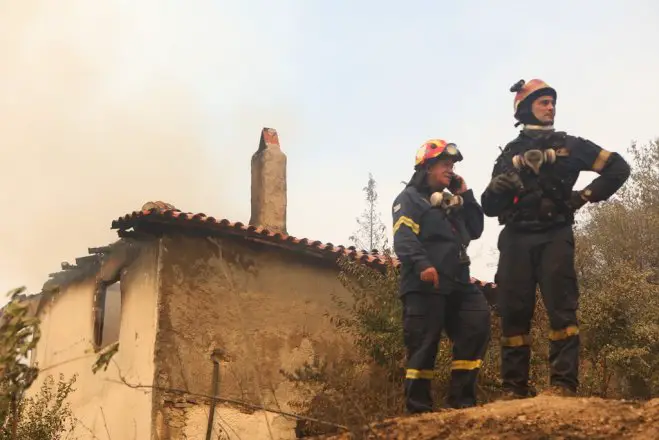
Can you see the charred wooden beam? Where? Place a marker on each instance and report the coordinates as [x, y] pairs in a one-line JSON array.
[[99, 250], [88, 260]]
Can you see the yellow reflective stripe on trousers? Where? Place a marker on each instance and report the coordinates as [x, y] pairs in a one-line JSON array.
[[516, 341], [419, 374], [407, 222], [559, 335], [466, 365]]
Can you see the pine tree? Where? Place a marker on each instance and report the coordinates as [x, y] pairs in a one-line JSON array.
[[371, 233]]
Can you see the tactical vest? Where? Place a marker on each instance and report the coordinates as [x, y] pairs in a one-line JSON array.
[[547, 188]]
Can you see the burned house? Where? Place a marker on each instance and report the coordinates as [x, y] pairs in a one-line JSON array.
[[190, 305]]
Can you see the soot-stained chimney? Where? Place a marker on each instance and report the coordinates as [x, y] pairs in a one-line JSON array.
[[269, 184]]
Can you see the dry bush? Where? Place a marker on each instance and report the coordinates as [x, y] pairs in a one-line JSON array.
[[353, 393], [618, 263]]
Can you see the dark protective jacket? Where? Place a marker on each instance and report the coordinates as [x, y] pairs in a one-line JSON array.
[[544, 201], [427, 236]]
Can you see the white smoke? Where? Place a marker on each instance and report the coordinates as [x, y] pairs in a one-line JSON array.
[[106, 105]]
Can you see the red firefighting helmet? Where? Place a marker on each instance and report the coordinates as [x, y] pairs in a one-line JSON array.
[[532, 89], [436, 149]]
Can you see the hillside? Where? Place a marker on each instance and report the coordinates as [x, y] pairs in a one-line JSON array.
[[542, 417]]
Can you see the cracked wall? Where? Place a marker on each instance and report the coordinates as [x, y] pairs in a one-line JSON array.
[[104, 406], [262, 307]]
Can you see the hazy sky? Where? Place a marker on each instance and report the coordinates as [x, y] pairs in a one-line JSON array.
[[106, 105]]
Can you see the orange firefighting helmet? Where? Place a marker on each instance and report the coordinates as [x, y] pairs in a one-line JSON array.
[[530, 90], [435, 149]]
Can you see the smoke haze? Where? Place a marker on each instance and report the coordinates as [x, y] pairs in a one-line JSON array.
[[103, 107]]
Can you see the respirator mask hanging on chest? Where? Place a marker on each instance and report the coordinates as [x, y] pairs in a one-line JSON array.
[[534, 159], [451, 203], [446, 201]]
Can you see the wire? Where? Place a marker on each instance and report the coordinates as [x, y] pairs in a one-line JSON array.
[[228, 400]]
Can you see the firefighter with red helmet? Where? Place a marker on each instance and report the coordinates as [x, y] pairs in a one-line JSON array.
[[532, 194], [435, 217]]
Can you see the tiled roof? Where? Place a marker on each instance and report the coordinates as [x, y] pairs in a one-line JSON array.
[[164, 213]]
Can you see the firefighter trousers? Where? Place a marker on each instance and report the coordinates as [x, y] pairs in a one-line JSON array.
[[465, 317], [527, 259]]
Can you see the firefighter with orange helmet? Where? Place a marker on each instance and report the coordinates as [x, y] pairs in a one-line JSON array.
[[532, 194], [434, 219]]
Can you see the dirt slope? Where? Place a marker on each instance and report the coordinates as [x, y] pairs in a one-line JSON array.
[[542, 417]]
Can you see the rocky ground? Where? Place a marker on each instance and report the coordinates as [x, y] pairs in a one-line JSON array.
[[543, 417]]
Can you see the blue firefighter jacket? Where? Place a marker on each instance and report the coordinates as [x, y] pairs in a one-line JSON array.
[[427, 236]]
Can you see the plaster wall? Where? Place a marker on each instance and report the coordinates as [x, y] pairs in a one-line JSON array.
[[105, 407], [262, 307]]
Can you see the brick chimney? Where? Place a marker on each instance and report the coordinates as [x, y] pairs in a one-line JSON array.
[[269, 184]]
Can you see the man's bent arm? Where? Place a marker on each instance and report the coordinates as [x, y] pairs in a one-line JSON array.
[[612, 168]]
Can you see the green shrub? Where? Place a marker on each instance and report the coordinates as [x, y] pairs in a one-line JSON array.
[[45, 416]]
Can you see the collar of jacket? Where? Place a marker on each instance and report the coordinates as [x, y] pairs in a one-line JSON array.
[[537, 127]]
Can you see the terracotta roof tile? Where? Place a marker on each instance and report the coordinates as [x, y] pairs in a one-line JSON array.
[[163, 213]]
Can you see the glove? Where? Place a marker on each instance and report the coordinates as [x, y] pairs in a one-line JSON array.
[[504, 183], [577, 200]]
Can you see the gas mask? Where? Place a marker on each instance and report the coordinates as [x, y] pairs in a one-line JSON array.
[[446, 201], [534, 159]]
